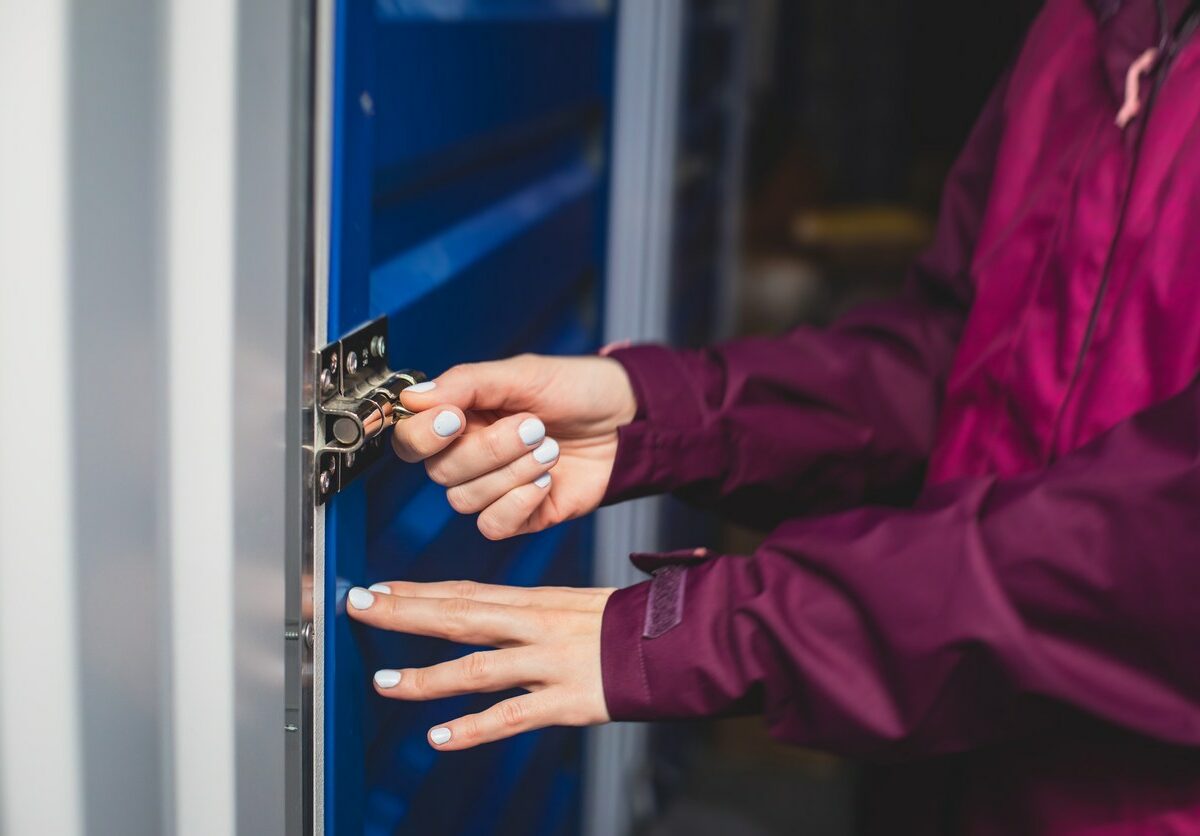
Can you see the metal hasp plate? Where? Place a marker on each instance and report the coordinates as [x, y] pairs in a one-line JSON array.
[[358, 398]]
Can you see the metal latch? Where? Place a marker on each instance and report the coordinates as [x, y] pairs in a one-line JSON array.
[[358, 399]]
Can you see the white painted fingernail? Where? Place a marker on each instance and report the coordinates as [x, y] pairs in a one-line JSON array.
[[446, 423], [380, 587], [360, 599], [387, 678], [542, 481], [421, 388], [440, 735], [546, 452], [532, 430]]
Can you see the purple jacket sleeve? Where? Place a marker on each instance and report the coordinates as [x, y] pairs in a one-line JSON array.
[[818, 419], [933, 629]]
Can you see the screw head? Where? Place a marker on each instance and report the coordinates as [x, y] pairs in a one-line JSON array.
[[326, 481], [352, 362], [378, 346], [333, 362], [326, 382]]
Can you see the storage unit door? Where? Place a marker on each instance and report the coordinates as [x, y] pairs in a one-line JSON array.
[[467, 205]]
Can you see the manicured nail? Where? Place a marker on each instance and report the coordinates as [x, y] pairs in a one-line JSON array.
[[421, 388], [440, 735], [446, 423], [360, 599], [547, 452], [380, 587], [387, 678], [532, 430], [542, 481]]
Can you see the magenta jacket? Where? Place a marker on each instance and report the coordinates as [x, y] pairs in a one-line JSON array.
[[985, 562]]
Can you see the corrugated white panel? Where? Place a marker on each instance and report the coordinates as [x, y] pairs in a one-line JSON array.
[[144, 304]]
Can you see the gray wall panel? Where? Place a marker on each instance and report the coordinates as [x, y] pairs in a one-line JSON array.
[[263, 446], [117, 370]]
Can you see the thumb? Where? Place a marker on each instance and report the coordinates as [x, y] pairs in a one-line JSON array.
[[497, 384]]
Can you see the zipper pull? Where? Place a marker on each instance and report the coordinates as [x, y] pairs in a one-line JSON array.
[[1133, 80]]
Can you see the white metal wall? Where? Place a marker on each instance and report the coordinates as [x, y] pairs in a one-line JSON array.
[[39, 684], [144, 158]]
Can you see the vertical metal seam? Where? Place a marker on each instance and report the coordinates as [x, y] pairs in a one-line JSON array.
[[298, 746], [168, 720], [322, 162]]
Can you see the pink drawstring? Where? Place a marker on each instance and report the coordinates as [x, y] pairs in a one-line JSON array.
[[1133, 100]]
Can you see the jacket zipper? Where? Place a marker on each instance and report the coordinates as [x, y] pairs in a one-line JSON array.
[[1169, 50]]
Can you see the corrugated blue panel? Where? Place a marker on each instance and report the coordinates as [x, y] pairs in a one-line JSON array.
[[489, 9], [469, 197]]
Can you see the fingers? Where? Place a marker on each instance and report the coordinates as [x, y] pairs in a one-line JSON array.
[[475, 495], [551, 652], [547, 597], [456, 619], [420, 436], [504, 719], [480, 672], [506, 517], [488, 448]]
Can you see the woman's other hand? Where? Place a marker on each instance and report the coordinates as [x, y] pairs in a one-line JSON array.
[[548, 640]]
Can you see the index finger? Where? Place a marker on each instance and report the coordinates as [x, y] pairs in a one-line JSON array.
[[546, 597], [455, 619], [495, 384]]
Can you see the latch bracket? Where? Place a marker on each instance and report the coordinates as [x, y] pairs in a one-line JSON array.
[[357, 400]]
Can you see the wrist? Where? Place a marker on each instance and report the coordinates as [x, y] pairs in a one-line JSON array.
[[619, 388], [667, 383]]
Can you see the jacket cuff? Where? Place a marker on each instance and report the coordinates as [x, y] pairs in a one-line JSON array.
[[662, 380], [669, 443], [646, 667], [622, 667]]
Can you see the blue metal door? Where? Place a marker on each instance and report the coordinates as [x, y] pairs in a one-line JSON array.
[[468, 206]]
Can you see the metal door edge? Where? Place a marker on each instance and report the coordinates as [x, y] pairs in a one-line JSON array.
[[322, 200], [305, 628]]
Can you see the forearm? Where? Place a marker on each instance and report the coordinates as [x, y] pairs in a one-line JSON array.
[[814, 420], [937, 628]]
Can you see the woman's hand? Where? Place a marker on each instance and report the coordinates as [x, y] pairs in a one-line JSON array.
[[550, 646], [492, 432]]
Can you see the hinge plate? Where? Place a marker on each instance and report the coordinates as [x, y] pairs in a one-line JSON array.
[[358, 400]]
